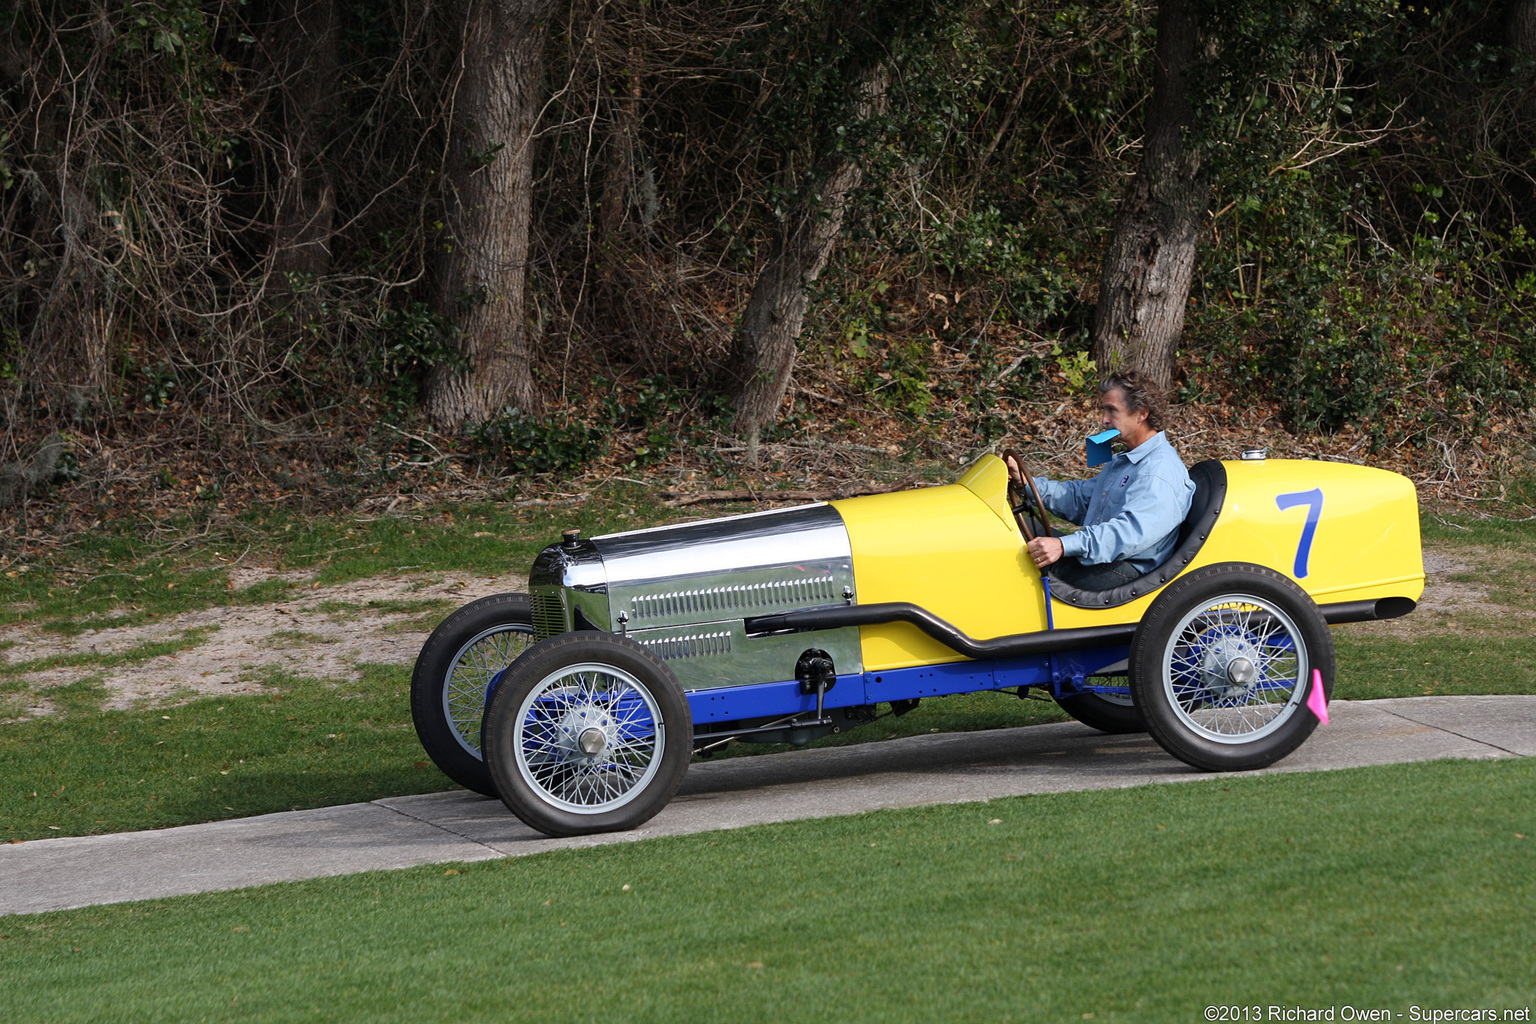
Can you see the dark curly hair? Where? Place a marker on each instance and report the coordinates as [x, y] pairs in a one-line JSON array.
[[1141, 392]]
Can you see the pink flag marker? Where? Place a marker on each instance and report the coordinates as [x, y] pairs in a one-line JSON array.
[[1317, 703]]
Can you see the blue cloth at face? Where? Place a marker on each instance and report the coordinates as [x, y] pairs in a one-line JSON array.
[[1131, 510]]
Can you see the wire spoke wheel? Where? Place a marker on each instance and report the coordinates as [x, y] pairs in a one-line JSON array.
[[471, 674], [1234, 670], [1221, 665], [453, 676], [589, 738], [587, 732]]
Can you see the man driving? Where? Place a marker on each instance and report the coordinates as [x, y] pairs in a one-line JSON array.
[[1130, 513]]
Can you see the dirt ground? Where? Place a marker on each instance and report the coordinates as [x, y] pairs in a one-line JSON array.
[[1456, 606], [325, 632]]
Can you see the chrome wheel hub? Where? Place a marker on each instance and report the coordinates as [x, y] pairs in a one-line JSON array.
[[584, 732], [1227, 669], [592, 741]]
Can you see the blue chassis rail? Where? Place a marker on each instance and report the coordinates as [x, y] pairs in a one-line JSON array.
[[1063, 673]]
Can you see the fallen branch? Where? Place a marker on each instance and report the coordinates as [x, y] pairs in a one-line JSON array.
[[574, 499], [437, 497], [677, 499]]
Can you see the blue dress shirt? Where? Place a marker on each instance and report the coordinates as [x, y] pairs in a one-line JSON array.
[[1131, 510]]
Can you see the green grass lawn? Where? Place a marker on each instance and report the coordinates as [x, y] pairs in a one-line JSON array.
[[1386, 887], [1398, 886], [307, 744]]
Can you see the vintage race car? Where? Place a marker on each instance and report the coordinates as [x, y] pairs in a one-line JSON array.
[[581, 703]]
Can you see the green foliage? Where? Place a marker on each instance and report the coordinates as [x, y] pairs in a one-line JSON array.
[[524, 444], [995, 251], [899, 381], [7, 170], [1077, 369], [411, 341], [1357, 276], [654, 410], [1341, 327], [1274, 80], [67, 469], [863, 315], [164, 26], [652, 401], [813, 53], [156, 386], [1369, 260]]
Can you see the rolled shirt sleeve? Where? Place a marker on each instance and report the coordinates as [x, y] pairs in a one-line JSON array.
[[1131, 510]]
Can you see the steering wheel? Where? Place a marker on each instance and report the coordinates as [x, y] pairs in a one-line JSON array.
[[1018, 498]]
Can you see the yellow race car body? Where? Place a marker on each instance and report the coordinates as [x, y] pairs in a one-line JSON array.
[[956, 551], [580, 702]]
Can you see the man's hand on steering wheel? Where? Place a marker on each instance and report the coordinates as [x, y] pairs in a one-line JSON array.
[[1018, 501]]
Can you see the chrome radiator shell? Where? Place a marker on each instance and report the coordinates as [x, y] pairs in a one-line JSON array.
[[684, 591]]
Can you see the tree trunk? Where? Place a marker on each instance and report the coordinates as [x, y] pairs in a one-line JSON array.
[[482, 276], [1520, 26], [1150, 259], [619, 156], [763, 349], [302, 45]]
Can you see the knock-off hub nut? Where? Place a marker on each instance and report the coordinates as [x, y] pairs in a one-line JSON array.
[[592, 741]]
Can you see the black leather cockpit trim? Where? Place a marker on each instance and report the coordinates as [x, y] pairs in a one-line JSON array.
[[1210, 479]]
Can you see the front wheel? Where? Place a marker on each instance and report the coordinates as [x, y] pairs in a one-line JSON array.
[[454, 671], [1221, 665], [587, 732]]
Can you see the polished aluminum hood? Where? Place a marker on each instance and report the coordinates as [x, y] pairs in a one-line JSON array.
[[685, 590]]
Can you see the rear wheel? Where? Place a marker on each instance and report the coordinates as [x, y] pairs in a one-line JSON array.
[[1221, 665], [453, 674], [588, 732], [1113, 713]]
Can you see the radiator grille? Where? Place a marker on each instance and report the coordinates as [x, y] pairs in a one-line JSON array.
[[548, 616]]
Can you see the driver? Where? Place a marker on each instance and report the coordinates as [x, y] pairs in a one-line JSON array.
[[1130, 513]]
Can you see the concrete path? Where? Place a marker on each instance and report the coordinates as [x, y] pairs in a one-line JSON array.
[[57, 874]]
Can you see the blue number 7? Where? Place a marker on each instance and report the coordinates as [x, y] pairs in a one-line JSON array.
[[1313, 499]]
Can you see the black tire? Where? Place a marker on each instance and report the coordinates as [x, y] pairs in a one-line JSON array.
[[1103, 712], [1222, 663], [453, 671], [588, 732]]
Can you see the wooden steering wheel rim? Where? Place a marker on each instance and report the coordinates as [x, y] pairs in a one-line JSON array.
[[1018, 496]]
